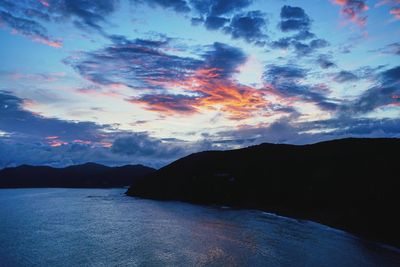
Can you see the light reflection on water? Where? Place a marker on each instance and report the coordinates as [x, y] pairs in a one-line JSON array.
[[102, 227]]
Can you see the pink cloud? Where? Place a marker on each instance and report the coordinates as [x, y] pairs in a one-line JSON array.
[[39, 39], [44, 3], [395, 7], [395, 12], [353, 10]]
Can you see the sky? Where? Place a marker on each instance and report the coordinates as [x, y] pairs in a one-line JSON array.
[[149, 81]]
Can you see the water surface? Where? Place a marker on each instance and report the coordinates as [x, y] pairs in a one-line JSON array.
[[103, 227]]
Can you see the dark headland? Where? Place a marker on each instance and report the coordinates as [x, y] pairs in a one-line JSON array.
[[351, 184], [78, 176]]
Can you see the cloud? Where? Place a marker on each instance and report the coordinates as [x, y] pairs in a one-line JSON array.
[[15, 119], [86, 14], [395, 12], [209, 87], [249, 26], [46, 140], [288, 130], [353, 10], [135, 63], [382, 94], [223, 59], [277, 73], [174, 85], [214, 23], [168, 104], [55, 142], [294, 19], [394, 7], [303, 35], [141, 144], [27, 17], [393, 48], [218, 7], [325, 62], [176, 5], [287, 82], [225, 14], [28, 28], [301, 48], [345, 76]]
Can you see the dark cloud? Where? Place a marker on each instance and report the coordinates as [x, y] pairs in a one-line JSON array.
[[84, 13], [346, 126], [225, 14], [325, 62], [249, 26], [289, 72], [393, 48], [15, 119], [293, 25], [218, 7], [221, 14], [385, 92], [301, 48], [152, 65], [289, 12], [135, 63], [303, 35], [29, 28], [55, 142], [176, 5], [287, 130], [214, 23], [141, 144], [345, 76], [225, 59], [282, 43], [26, 17], [70, 154], [287, 81], [294, 19], [168, 103]]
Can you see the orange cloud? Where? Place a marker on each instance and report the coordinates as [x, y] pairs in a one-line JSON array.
[[207, 90], [57, 143], [106, 144], [54, 141]]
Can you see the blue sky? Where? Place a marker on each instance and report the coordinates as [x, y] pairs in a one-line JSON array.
[[134, 81]]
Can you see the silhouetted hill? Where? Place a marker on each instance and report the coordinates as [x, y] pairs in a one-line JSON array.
[[85, 175], [352, 184]]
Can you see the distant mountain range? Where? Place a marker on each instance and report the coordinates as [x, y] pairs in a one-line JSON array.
[[352, 184], [85, 175]]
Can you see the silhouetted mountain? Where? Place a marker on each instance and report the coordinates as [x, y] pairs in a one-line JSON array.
[[85, 175], [352, 184]]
